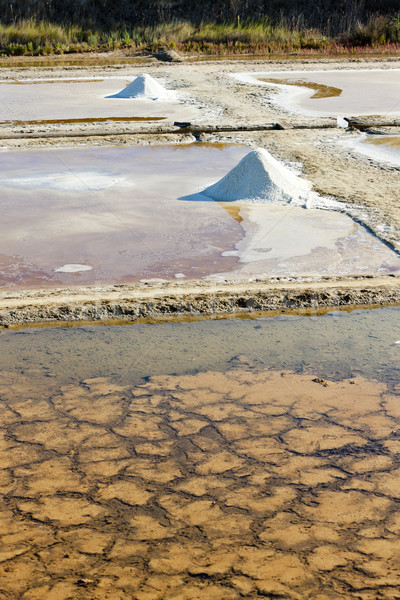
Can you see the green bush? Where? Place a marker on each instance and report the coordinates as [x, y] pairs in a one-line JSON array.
[[16, 49], [394, 28]]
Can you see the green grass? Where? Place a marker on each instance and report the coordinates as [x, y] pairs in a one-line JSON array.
[[378, 34], [28, 37]]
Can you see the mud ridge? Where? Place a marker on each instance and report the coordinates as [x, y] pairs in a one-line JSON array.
[[193, 300]]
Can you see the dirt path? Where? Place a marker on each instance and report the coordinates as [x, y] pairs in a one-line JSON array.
[[193, 300]]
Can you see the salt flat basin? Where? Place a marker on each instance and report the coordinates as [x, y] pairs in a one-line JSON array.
[[41, 100], [383, 148], [352, 92], [115, 215]]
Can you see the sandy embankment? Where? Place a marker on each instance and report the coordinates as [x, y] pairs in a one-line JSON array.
[[370, 187], [193, 300]]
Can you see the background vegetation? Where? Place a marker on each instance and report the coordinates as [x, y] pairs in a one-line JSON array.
[[211, 26]]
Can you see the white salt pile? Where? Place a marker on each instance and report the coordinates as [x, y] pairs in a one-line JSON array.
[[145, 87], [342, 123], [261, 179]]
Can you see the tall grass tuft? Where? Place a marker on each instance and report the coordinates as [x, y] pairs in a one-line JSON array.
[[36, 36], [378, 34]]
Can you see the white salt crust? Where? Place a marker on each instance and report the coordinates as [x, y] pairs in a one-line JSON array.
[[67, 181], [73, 268]]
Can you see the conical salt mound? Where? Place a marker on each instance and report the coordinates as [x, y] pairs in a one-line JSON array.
[[146, 88], [260, 178]]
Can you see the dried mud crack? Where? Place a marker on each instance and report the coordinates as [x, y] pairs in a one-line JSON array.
[[208, 486]]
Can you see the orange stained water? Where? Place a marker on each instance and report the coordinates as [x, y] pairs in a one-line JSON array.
[[77, 121], [340, 92], [381, 147], [320, 90], [390, 141], [233, 210]]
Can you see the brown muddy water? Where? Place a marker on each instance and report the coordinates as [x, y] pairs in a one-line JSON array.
[[320, 90], [93, 61], [83, 61], [210, 460], [47, 81], [120, 215], [85, 121]]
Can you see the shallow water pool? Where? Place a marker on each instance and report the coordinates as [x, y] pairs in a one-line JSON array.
[[384, 148], [206, 460], [119, 215], [340, 344], [43, 101]]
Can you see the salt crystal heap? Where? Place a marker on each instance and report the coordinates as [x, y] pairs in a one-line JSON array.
[[261, 179], [145, 87]]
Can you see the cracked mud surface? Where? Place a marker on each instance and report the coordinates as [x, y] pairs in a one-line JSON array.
[[244, 484]]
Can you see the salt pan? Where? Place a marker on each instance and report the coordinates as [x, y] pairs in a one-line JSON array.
[[146, 88]]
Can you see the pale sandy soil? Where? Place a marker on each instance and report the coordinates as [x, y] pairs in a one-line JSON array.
[[369, 187]]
